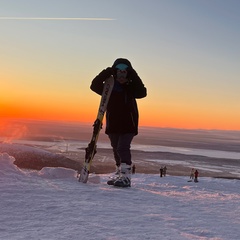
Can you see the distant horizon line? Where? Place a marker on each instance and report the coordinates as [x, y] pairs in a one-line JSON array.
[[90, 123]]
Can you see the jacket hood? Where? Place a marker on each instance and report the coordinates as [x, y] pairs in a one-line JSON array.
[[123, 61]]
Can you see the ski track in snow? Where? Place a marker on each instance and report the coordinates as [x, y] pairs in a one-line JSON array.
[[52, 204]]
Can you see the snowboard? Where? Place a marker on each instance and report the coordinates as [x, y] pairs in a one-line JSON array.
[[91, 149]]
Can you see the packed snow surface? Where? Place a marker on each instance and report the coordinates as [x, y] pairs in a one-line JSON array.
[[51, 204]]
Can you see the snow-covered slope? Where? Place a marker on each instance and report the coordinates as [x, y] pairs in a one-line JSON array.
[[51, 204], [35, 158]]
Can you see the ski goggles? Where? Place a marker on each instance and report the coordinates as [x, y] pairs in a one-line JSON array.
[[121, 66]]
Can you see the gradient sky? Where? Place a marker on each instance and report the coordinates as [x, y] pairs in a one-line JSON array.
[[187, 52]]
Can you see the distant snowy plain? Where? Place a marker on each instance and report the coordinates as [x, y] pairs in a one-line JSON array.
[[51, 204]]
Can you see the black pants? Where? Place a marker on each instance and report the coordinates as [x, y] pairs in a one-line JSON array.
[[121, 144]]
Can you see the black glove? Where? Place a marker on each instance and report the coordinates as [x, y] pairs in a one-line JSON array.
[[106, 73], [97, 82], [131, 74]]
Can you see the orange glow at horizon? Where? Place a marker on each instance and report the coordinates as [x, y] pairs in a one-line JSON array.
[[87, 114], [82, 110]]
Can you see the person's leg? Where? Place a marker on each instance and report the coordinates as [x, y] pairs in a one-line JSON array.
[[123, 150], [121, 144], [114, 138], [114, 143]]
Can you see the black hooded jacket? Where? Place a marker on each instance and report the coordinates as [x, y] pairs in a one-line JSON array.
[[122, 111]]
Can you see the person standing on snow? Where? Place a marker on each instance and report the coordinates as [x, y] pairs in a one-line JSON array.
[[161, 171], [133, 169], [192, 174], [196, 176], [164, 171], [122, 114]]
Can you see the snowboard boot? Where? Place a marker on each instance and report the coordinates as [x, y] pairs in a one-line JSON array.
[[125, 178], [112, 180], [117, 175], [118, 170]]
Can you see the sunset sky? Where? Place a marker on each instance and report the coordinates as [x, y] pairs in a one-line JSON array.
[[187, 52]]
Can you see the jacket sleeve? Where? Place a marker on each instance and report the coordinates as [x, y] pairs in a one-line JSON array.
[[98, 82], [137, 87]]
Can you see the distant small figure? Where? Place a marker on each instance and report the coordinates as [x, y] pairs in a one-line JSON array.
[[196, 176], [133, 169], [192, 174], [161, 171], [164, 171]]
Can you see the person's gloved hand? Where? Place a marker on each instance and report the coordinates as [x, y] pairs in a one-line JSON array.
[[131, 74], [106, 73]]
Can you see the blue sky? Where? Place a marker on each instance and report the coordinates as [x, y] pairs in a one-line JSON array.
[[186, 52]]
